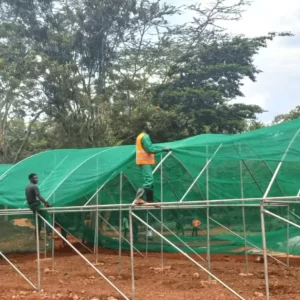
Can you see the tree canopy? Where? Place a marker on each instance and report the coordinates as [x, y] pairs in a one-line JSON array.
[[291, 115], [86, 73]]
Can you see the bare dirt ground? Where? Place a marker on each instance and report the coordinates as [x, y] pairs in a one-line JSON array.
[[73, 279]]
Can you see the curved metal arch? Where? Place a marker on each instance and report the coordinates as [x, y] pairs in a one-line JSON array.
[[53, 170], [196, 185], [109, 194], [167, 180], [4, 174], [272, 173], [248, 169], [77, 167]]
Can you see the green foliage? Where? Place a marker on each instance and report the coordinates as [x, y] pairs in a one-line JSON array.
[[292, 115], [88, 73]]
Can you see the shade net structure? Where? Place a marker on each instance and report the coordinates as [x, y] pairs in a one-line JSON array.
[[239, 166]]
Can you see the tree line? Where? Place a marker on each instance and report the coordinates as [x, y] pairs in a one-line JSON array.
[[86, 73]]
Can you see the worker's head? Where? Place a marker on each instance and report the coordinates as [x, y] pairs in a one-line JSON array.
[[147, 127], [33, 178]]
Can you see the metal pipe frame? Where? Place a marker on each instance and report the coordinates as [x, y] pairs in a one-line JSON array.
[[53, 243], [69, 233], [207, 217], [85, 259], [246, 241], [182, 206], [183, 242], [161, 161], [262, 209], [147, 237], [244, 218], [295, 215], [287, 238], [144, 207], [18, 271], [131, 256], [248, 169], [53, 215], [201, 172], [188, 172], [24, 211], [114, 229], [161, 212], [38, 252], [120, 224], [98, 190], [266, 164], [264, 201], [96, 238], [186, 255], [280, 218], [73, 170], [276, 202], [147, 216]]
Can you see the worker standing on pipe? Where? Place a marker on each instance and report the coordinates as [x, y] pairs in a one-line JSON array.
[[145, 158], [35, 200]]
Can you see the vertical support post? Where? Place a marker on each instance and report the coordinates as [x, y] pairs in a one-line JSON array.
[[262, 202], [207, 217], [161, 212], [97, 230], [53, 242], [244, 217], [6, 216], [131, 255], [53, 221], [38, 252], [45, 241], [97, 220], [288, 237], [147, 238], [264, 244], [120, 223]]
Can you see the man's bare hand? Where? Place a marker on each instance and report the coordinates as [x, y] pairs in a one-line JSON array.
[[167, 149], [47, 204]]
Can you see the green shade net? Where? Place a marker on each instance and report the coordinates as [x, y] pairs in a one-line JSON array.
[[241, 166]]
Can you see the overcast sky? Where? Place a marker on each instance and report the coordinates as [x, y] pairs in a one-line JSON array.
[[277, 89]]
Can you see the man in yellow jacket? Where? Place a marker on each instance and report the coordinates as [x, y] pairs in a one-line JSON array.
[[145, 158]]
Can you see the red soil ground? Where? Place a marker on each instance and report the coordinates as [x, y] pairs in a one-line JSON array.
[[73, 279]]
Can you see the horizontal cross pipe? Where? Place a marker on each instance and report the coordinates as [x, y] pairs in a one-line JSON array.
[[142, 207], [192, 202], [282, 202]]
